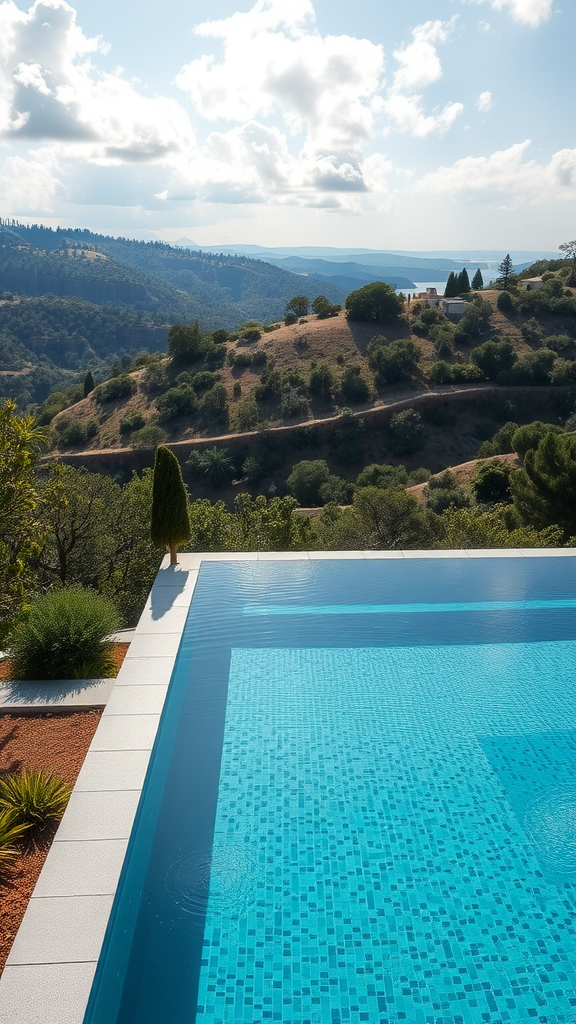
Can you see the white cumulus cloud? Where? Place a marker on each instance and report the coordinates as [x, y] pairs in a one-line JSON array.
[[484, 103], [525, 12], [505, 178], [51, 89], [420, 66]]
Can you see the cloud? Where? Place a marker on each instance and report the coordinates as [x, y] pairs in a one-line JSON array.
[[420, 67], [274, 62], [484, 103], [419, 61], [505, 178], [525, 12], [31, 187], [50, 89]]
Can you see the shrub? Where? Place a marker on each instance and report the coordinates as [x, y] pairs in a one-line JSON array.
[[533, 369], [132, 422], [337, 490], [293, 403], [442, 337], [251, 334], [214, 404], [306, 479], [530, 331], [36, 797], [353, 386], [117, 387], [154, 378], [215, 356], [259, 357], [169, 521], [383, 476], [494, 356], [269, 386], [220, 337], [505, 302], [11, 831], [443, 498], [245, 415], [179, 401], [290, 319], [64, 630], [149, 437], [395, 361], [321, 382], [406, 432], [563, 372], [491, 484], [501, 442], [558, 342]]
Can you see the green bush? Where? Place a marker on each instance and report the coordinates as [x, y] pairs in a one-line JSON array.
[[149, 437], [117, 387], [64, 631], [558, 342], [383, 476], [494, 356], [491, 484], [353, 386], [530, 435], [36, 798], [321, 382], [214, 405], [134, 421], [179, 401], [501, 442], [215, 356], [393, 361], [155, 378], [505, 302], [306, 479], [376, 302], [406, 432]]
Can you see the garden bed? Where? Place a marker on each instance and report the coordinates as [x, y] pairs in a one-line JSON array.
[[56, 743], [118, 655]]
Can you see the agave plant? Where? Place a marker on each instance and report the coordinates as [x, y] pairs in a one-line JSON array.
[[11, 830], [34, 798]]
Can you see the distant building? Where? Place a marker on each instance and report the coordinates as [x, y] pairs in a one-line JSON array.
[[532, 284], [430, 297], [453, 307]]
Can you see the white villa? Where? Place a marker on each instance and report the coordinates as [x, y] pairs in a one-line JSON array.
[[532, 284]]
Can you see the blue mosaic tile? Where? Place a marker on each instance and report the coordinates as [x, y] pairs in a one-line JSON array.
[[393, 838]]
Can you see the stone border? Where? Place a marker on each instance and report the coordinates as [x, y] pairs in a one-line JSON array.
[[51, 965]]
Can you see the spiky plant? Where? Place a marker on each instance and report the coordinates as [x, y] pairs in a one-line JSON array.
[[34, 798], [11, 831]]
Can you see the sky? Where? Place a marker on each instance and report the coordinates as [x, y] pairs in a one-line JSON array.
[[382, 124]]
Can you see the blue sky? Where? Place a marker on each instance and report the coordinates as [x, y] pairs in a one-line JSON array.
[[402, 125]]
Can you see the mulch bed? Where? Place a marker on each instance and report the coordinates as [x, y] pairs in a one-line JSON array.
[[52, 742]]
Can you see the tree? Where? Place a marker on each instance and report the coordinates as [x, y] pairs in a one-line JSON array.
[[494, 356], [306, 479], [491, 484], [477, 281], [392, 518], [321, 306], [463, 282], [89, 384], [321, 382], [505, 270], [530, 435], [186, 344], [298, 305], [544, 492], [393, 361], [569, 250], [21, 442], [451, 289], [374, 302], [406, 432], [170, 525], [384, 476]]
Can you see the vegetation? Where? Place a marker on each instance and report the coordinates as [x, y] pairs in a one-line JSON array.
[[170, 525], [35, 798], [376, 302], [63, 636], [11, 832]]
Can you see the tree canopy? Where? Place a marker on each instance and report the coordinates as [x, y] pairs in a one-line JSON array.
[[544, 491], [170, 525], [376, 302]]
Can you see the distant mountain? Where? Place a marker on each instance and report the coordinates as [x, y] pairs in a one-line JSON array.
[[171, 284]]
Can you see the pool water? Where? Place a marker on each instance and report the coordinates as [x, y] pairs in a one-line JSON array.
[[358, 815]]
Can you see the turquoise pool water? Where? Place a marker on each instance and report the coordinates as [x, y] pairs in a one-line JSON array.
[[358, 810]]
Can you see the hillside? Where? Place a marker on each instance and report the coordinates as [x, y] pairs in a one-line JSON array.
[[299, 378], [173, 283]]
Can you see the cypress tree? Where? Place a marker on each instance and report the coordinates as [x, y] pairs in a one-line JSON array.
[[477, 281], [170, 524], [450, 290], [463, 282], [88, 384]]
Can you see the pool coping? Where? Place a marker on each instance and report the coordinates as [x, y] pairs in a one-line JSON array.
[[50, 968]]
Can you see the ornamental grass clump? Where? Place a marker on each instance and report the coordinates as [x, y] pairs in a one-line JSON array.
[[33, 798], [64, 635], [11, 831]]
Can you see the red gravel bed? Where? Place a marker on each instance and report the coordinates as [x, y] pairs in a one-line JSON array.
[[55, 743]]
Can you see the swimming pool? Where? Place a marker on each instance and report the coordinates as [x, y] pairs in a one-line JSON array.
[[360, 804]]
